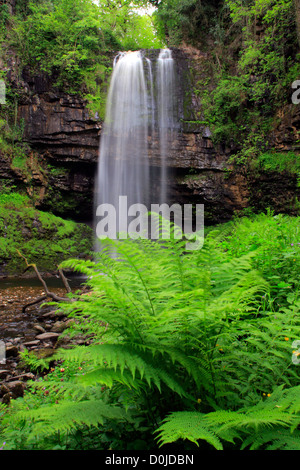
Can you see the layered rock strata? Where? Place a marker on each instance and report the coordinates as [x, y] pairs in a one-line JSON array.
[[65, 137]]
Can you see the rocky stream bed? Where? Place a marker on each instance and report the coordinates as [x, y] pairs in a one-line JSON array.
[[37, 329]]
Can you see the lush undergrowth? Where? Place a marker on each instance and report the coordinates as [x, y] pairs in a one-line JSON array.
[[199, 348], [41, 237]]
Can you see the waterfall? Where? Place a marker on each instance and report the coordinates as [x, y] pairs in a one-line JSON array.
[[166, 112], [138, 107]]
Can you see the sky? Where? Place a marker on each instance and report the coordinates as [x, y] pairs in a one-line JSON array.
[[141, 11]]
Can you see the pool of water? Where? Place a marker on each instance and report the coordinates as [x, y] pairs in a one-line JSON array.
[[17, 292], [52, 282]]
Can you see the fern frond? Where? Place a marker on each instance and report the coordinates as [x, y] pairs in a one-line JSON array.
[[196, 367], [275, 439], [245, 295], [70, 415], [108, 377], [187, 425], [124, 359], [262, 424]]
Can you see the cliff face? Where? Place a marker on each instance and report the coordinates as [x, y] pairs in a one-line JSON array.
[[64, 140], [59, 130]]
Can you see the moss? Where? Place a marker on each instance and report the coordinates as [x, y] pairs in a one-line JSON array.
[[194, 178], [57, 171], [278, 162], [63, 202], [41, 237], [96, 82]]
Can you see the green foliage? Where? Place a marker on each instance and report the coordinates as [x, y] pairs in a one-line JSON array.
[[179, 345], [11, 131], [279, 162], [59, 36], [65, 39], [227, 100], [4, 16], [140, 34], [96, 83], [248, 91], [35, 363], [41, 237], [185, 20], [259, 427], [13, 200]]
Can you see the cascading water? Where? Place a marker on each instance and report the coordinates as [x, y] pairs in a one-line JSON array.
[[123, 161], [138, 107], [165, 112]]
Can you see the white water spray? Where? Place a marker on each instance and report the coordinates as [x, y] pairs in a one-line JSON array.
[[165, 112], [137, 108]]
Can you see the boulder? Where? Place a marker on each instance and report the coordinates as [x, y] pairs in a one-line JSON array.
[[48, 336]]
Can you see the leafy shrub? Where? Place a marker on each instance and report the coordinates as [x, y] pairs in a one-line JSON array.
[[251, 85], [278, 162], [178, 346], [65, 39]]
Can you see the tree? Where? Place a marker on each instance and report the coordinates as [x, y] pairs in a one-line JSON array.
[[67, 38]]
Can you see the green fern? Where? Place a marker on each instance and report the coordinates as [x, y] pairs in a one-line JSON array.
[[35, 363], [170, 330], [187, 425], [263, 425], [279, 439], [70, 415], [117, 359]]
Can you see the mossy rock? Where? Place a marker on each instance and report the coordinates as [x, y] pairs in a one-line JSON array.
[[41, 237]]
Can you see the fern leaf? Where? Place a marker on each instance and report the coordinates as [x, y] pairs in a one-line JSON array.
[[187, 425], [70, 415], [107, 377], [123, 359], [275, 439]]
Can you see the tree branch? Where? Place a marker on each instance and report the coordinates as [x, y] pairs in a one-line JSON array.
[[64, 280], [49, 294]]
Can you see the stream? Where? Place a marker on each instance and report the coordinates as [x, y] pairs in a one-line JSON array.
[[38, 328], [17, 292]]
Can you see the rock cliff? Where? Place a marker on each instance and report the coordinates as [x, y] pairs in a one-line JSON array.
[[64, 140]]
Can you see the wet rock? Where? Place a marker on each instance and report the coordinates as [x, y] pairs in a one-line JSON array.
[[47, 336], [13, 389], [58, 327], [12, 351], [31, 343], [16, 389], [54, 314], [17, 340], [39, 328], [44, 352], [4, 373], [10, 332], [6, 399], [3, 390]]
